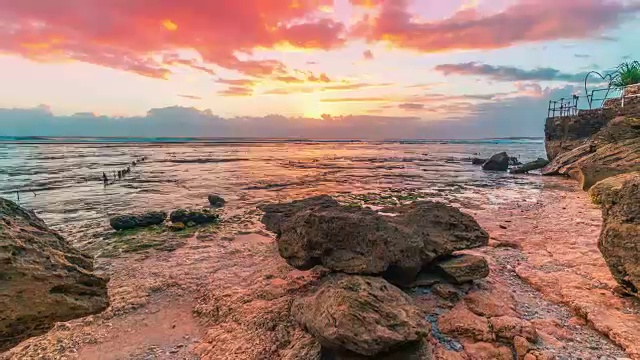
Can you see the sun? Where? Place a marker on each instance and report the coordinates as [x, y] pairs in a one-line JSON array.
[[313, 108]]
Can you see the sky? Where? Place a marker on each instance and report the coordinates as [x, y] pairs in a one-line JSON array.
[[302, 68]]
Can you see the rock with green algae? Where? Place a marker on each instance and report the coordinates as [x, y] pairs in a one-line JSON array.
[[134, 221], [196, 217]]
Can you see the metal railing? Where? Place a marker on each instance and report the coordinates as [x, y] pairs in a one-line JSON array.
[[595, 99], [563, 107]]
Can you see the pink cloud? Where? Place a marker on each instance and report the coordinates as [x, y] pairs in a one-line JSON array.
[[524, 21], [126, 34]]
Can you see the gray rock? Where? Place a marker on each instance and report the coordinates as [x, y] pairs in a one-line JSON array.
[[319, 231], [133, 221], [498, 162], [194, 217], [530, 166], [216, 201]]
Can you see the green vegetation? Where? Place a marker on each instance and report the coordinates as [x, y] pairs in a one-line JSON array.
[[627, 73]]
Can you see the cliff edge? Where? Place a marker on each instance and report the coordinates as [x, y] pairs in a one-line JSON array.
[[595, 144]]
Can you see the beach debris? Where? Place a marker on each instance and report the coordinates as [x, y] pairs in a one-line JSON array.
[[44, 280], [194, 217], [360, 315], [216, 201], [134, 221], [498, 162], [355, 240], [619, 198], [530, 166]]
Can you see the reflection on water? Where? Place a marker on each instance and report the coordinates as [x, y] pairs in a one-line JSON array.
[[62, 182]]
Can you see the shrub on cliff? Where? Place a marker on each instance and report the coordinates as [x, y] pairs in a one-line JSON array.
[[627, 73]]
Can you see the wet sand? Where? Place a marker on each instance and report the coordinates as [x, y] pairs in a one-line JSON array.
[[225, 294]]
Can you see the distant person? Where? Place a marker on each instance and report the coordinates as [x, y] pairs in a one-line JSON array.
[[119, 174], [104, 178]]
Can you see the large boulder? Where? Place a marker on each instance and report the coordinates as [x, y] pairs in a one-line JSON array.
[[134, 221], [194, 217], [498, 162], [43, 279], [360, 315], [620, 237], [396, 242]]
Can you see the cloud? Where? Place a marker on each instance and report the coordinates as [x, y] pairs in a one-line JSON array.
[[237, 82], [134, 35], [367, 55], [467, 29], [517, 116], [354, 99], [509, 73], [411, 106], [191, 97], [237, 91]]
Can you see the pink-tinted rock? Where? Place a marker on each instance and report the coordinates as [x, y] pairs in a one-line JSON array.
[[461, 322], [364, 315]]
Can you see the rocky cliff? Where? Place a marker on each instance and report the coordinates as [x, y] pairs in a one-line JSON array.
[[601, 150], [595, 144], [43, 279]]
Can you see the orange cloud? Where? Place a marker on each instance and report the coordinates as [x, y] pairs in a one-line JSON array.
[[237, 91], [127, 34], [524, 21], [355, 99]]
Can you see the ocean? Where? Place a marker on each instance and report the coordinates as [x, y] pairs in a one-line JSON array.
[[61, 178]]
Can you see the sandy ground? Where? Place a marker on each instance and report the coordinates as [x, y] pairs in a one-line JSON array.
[[226, 295]]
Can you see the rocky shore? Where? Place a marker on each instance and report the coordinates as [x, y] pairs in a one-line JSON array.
[[224, 291], [324, 277]]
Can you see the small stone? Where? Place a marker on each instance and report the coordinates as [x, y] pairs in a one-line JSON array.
[[521, 346], [177, 226], [508, 327], [446, 291], [216, 201], [463, 268], [459, 321]]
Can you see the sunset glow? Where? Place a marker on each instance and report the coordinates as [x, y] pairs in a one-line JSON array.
[[428, 60]]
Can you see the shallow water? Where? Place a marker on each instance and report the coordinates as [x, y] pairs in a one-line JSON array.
[[62, 181]]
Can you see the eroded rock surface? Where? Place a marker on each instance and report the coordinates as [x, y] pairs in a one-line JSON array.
[[43, 279], [364, 315], [593, 147], [396, 242], [620, 237]]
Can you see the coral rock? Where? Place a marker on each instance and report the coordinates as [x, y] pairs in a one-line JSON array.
[[363, 315]]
